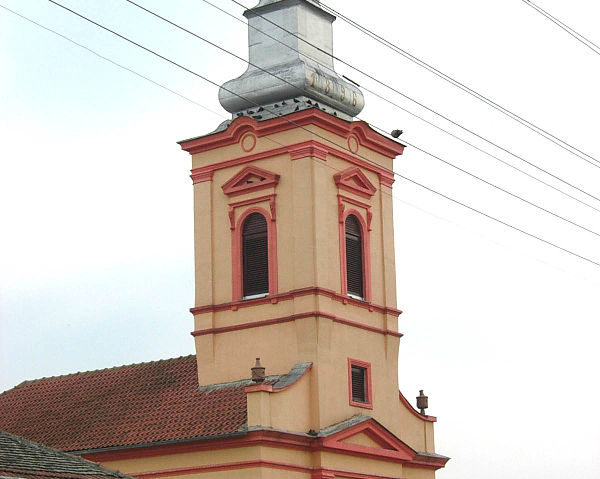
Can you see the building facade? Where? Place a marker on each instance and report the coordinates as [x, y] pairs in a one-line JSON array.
[[295, 317]]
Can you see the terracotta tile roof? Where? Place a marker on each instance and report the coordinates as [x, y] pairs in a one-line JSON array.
[[134, 404], [22, 458]]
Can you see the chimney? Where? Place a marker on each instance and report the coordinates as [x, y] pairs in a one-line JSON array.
[[422, 402], [258, 372], [300, 74]]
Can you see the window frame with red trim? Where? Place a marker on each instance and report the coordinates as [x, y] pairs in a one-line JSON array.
[[255, 256], [365, 262], [367, 385], [239, 260]]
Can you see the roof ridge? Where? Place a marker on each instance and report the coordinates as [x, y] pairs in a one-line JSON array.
[[238, 382], [77, 373]]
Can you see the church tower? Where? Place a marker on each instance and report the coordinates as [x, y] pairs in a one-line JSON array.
[[294, 252], [295, 317]]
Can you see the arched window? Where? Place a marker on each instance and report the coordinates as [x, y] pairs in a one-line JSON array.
[[354, 257], [255, 256]]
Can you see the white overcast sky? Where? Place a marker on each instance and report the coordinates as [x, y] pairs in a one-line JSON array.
[[500, 330]]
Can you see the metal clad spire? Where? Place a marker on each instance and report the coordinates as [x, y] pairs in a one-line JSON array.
[[298, 75]]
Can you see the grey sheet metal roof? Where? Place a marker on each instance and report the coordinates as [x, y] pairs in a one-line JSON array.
[[22, 458]]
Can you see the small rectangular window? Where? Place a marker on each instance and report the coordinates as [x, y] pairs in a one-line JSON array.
[[359, 383]]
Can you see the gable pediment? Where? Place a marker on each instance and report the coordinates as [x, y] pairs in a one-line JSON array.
[[364, 439], [354, 180], [250, 178], [369, 437]]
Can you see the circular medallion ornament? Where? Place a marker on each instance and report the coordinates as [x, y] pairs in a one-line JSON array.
[[248, 142], [353, 143]]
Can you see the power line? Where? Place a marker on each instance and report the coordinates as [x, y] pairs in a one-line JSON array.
[[330, 141], [487, 153], [418, 116], [202, 106], [421, 149], [577, 36], [208, 80], [540, 131], [506, 150], [499, 188], [110, 61], [495, 219]]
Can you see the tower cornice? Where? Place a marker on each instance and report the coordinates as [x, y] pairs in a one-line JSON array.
[[360, 130]]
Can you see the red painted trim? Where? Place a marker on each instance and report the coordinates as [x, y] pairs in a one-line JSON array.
[[280, 439], [323, 474], [261, 155], [429, 462], [368, 328], [258, 324], [251, 438], [383, 173], [353, 143], [367, 367], [316, 473], [354, 202], [365, 135], [333, 473], [223, 467], [386, 180], [248, 147], [202, 176], [344, 181], [236, 246], [343, 213], [234, 305], [408, 405], [259, 387], [235, 185], [294, 317], [389, 445], [251, 201], [312, 150]]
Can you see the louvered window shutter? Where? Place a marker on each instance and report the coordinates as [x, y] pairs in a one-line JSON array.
[[354, 264], [359, 384], [255, 251]]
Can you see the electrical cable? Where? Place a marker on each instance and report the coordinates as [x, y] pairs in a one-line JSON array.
[[544, 133], [330, 141], [481, 150], [494, 218], [208, 80], [205, 108], [111, 61], [419, 148], [577, 36], [495, 186], [407, 97], [423, 119]]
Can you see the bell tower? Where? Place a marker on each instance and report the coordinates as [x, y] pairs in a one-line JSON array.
[[294, 237]]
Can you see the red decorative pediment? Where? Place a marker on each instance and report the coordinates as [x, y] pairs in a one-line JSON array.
[[371, 438], [355, 181], [365, 135], [250, 178]]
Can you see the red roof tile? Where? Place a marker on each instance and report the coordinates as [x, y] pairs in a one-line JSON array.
[[134, 404]]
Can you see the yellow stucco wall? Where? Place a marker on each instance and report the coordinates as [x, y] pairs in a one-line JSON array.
[[274, 465], [308, 256], [418, 473]]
